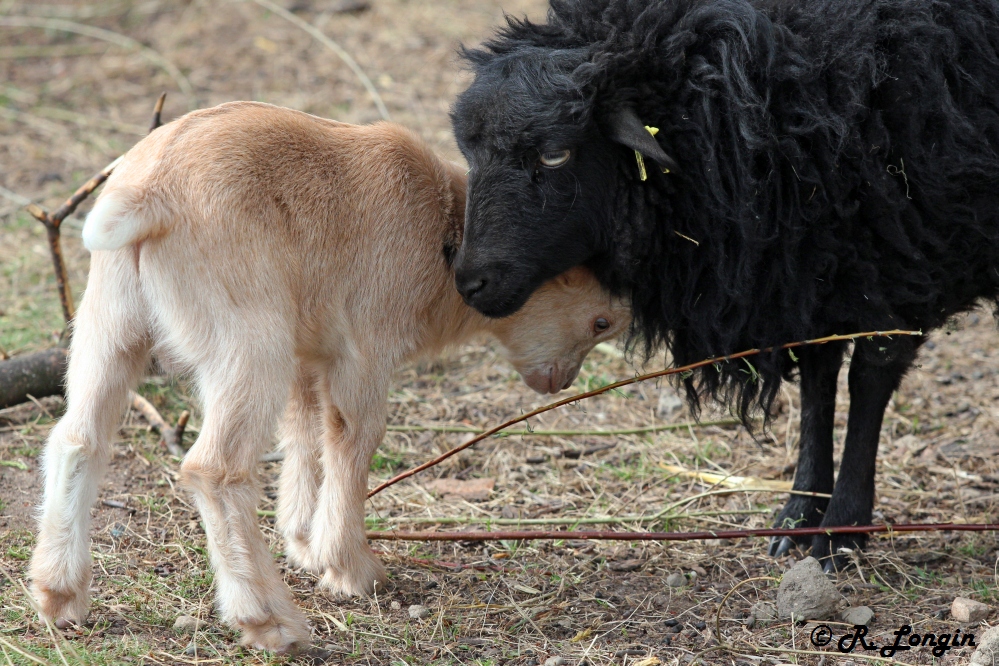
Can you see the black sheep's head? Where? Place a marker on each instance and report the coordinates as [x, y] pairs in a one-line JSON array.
[[544, 159]]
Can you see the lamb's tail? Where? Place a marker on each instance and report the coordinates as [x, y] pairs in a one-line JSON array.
[[116, 221]]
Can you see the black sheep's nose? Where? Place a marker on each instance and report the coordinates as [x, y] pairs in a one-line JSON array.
[[471, 283]]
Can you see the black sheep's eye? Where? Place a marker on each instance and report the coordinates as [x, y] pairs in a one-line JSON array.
[[553, 159], [600, 325]]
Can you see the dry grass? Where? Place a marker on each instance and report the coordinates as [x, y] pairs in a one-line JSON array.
[[69, 104]]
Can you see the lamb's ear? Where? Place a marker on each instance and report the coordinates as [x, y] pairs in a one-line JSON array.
[[623, 126]]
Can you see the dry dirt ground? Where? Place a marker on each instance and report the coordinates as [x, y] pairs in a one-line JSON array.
[[71, 102]]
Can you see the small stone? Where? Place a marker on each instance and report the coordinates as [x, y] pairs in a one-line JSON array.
[[395, 605], [805, 593], [472, 489], [700, 625], [858, 615], [672, 622], [659, 600], [968, 611], [185, 624], [763, 612], [554, 661], [536, 459], [669, 403], [627, 565], [418, 612], [676, 580], [987, 652], [750, 622], [191, 649]]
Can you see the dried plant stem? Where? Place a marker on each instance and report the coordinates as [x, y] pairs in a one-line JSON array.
[[338, 50], [642, 430], [528, 535], [627, 382]]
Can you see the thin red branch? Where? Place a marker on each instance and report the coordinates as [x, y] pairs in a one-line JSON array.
[[527, 535], [625, 382]]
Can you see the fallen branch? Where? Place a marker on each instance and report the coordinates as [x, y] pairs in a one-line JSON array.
[[626, 382], [528, 535], [32, 375], [170, 437]]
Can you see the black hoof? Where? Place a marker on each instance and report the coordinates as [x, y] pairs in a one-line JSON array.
[[835, 553], [831, 566], [800, 511], [781, 546]]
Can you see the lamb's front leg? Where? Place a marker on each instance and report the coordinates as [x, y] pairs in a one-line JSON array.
[[298, 486], [354, 425]]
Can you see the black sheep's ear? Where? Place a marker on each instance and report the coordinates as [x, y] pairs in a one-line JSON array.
[[624, 127]]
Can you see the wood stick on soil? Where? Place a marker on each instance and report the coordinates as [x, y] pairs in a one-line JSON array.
[[626, 382], [528, 535], [170, 437]]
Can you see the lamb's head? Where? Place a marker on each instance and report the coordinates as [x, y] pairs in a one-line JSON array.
[[548, 338], [544, 155]]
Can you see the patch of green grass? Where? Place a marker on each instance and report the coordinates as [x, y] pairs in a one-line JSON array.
[[26, 451], [386, 461], [985, 591]]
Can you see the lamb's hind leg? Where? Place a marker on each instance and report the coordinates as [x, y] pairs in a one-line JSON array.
[[243, 397], [301, 435], [354, 427], [109, 351]]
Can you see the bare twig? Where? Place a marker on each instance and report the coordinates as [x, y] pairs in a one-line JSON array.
[[157, 113], [641, 430], [107, 36], [170, 438], [626, 382], [53, 221], [329, 43], [527, 535]]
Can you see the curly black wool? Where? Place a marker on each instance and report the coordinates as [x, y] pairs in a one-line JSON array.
[[837, 171]]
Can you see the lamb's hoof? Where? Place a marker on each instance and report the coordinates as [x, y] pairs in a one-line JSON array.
[[370, 578], [299, 555], [287, 635], [63, 608], [781, 546]]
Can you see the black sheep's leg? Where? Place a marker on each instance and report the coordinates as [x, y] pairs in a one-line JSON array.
[[819, 367], [876, 369]]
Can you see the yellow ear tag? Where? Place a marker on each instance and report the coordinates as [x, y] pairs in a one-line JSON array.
[[641, 161]]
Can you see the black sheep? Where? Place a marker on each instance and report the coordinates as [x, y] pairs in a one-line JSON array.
[[821, 166]]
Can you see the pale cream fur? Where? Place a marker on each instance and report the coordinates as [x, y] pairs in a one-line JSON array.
[[287, 263]]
